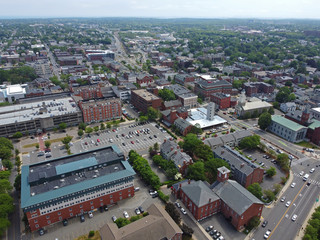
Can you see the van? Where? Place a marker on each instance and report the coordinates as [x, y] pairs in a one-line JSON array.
[[305, 177]]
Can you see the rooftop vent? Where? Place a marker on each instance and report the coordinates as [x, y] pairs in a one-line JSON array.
[[56, 187], [32, 194]]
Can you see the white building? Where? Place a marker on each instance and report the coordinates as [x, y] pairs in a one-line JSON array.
[[288, 107], [11, 93]]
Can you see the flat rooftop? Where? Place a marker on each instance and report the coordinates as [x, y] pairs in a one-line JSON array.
[[35, 110], [146, 95], [199, 116], [70, 174]]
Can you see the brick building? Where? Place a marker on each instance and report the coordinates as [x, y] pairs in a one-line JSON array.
[[171, 151], [253, 88], [187, 98], [87, 92], [142, 100], [170, 115], [171, 104], [70, 186], [243, 170], [206, 88], [144, 80], [100, 110], [226, 196], [184, 78], [183, 126], [221, 100]]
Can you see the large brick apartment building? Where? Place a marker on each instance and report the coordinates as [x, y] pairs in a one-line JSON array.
[[100, 109], [87, 92], [253, 88], [70, 186], [142, 100], [222, 100], [243, 170], [226, 196], [207, 87]]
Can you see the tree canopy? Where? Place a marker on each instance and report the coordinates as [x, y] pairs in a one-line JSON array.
[[264, 120], [250, 142], [167, 94]]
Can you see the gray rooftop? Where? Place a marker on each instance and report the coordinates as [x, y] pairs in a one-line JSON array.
[[199, 192], [36, 110], [178, 89], [235, 159], [235, 196]]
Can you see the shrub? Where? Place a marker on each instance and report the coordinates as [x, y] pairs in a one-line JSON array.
[[91, 233], [163, 197]]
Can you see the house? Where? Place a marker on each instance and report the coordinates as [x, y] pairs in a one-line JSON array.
[[183, 126], [171, 151], [171, 104], [158, 225], [184, 78], [252, 88], [170, 115], [288, 107], [243, 170], [237, 204], [144, 80], [232, 140]]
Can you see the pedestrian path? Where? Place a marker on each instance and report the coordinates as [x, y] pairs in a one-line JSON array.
[[312, 181]]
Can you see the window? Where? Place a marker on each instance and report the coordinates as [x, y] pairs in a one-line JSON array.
[[37, 225], [59, 213], [49, 222], [71, 214], [36, 221], [48, 217]]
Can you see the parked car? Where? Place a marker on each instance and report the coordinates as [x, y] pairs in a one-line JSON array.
[[141, 209], [283, 198], [82, 219], [266, 235], [65, 222], [288, 203], [40, 154], [293, 185], [312, 170], [301, 173], [178, 204], [137, 211], [114, 218], [41, 231], [125, 214], [183, 211], [90, 214], [209, 228]]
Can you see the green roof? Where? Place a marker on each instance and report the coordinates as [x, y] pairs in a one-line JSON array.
[[77, 165], [286, 123], [314, 125], [27, 200]]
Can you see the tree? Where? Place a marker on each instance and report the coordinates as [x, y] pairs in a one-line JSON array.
[[4, 142], [187, 230], [156, 146], [47, 144], [82, 126], [37, 146], [211, 166], [283, 161], [96, 128], [269, 194], [264, 120], [17, 135], [121, 222], [89, 130], [250, 142], [66, 140], [256, 190], [167, 94], [109, 125], [102, 126], [153, 113], [253, 222], [5, 153], [173, 212], [271, 172], [62, 126], [196, 171], [80, 132], [17, 183], [5, 186], [271, 110]]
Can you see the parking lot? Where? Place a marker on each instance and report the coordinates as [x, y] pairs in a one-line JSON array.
[[266, 162], [138, 141]]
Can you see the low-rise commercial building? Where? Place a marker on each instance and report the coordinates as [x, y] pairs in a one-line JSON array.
[[70, 186], [206, 88], [183, 126], [221, 100], [287, 129], [187, 98]]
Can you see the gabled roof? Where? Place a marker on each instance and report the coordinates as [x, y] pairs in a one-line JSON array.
[[235, 196], [181, 123], [199, 193]]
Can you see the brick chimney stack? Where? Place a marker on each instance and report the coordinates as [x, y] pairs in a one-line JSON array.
[[223, 174]]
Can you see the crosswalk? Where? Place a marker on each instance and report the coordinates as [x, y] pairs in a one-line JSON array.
[[312, 181]]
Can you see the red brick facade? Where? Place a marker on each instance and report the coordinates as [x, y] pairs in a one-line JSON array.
[[88, 92], [100, 110], [37, 221], [314, 135], [145, 81], [223, 101], [142, 100]]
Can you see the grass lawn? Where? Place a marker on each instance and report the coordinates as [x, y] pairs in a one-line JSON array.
[[86, 237], [307, 145], [50, 140]]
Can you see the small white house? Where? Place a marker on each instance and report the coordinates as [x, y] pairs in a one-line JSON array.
[[288, 107]]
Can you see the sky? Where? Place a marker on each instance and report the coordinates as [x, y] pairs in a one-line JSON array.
[[270, 9]]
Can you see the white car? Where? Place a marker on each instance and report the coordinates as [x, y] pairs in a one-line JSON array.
[[301, 173], [294, 217], [114, 218], [137, 211], [90, 214], [267, 234], [125, 214], [178, 204], [293, 185], [288, 203], [283, 198], [312, 170], [183, 211]]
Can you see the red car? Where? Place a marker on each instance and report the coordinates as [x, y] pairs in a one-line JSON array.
[[86, 143], [132, 142], [98, 140], [113, 130]]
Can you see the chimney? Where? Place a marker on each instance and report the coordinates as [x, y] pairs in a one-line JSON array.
[[223, 174], [180, 185], [209, 200], [189, 181]]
